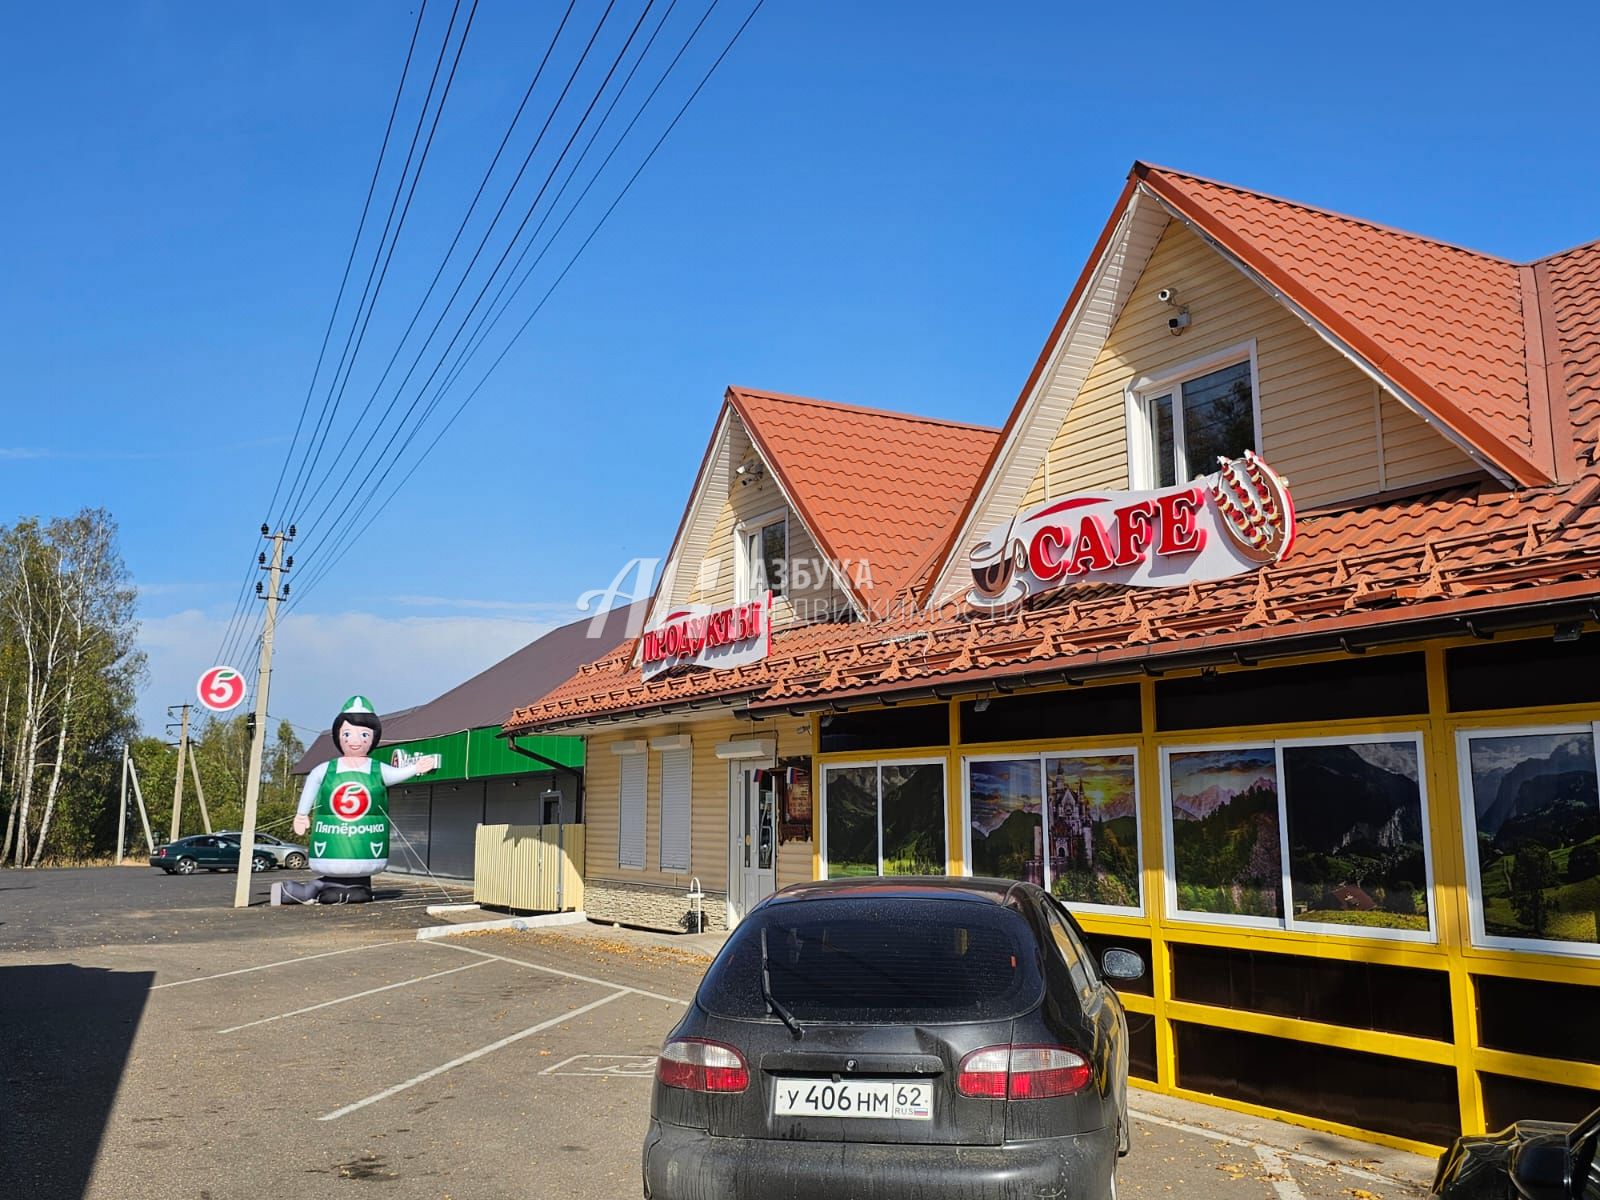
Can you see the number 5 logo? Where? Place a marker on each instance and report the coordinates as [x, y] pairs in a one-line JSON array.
[[220, 689]]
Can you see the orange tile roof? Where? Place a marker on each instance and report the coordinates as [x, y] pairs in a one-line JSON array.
[[1443, 323], [1496, 349], [875, 487], [1463, 553]]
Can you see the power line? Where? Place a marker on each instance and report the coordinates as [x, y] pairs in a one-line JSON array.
[[341, 550], [314, 523], [326, 418], [355, 243], [460, 229]]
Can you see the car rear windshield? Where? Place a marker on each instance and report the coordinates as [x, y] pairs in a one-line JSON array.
[[870, 961]]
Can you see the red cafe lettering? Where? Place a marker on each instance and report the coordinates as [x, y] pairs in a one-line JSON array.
[[686, 634], [1164, 525]]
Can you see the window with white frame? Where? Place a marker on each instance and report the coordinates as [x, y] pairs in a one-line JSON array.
[[1180, 424], [634, 774], [1326, 835], [763, 557], [1067, 821], [884, 818], [1530, 805], [675, 808]]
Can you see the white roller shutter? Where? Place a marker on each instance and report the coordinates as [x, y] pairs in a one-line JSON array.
[[675, 776], [630, 822]]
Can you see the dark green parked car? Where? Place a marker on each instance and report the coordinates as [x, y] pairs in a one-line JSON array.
[[206, 852]]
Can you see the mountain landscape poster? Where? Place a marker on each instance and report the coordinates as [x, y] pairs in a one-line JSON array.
[[851, 798], [1224, 814], [1093, 835], [1354, 816], [1536, 822], [1007, 834]]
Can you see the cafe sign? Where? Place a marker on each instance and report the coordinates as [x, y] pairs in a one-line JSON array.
[[1238, 519], [719, 638]]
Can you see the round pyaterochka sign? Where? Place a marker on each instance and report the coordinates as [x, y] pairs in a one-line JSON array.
[[350, 801], [220, 689]]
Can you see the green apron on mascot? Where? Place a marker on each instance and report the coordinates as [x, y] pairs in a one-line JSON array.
[[350, 821]]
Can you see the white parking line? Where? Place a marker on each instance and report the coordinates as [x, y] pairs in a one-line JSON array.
[[1309, 1160], [475, 1054], [280, 963], [388, 987], [564, 974], [1282, 1182]]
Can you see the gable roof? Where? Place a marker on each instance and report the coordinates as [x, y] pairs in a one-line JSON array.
[[874, 487], [1456, 335], [871, 486]]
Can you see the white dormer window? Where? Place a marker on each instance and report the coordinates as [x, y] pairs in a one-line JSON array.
[[1181, 422], [762, 553]]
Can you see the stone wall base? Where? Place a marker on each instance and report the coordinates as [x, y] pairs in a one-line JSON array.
[[649, 906]]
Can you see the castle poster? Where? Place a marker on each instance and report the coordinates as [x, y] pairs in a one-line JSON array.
[[1093, 833]]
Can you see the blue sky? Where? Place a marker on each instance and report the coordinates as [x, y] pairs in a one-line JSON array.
[[879, 203]]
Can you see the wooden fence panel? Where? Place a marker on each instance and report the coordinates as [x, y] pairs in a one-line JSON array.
[[533, 868]]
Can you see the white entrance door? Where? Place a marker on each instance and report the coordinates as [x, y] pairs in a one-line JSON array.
[[755, 841]]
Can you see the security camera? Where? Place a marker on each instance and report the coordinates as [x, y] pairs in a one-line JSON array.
[[1177, 324], [1167, 296]]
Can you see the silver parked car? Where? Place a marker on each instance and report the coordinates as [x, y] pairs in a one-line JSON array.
[[287, 854]]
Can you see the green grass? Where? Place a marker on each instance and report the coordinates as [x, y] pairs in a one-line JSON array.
[[1372, 919]]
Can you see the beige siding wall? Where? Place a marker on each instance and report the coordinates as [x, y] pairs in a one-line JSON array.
[[1414, 453], [709, 807], [1319, 414], [812, 592]]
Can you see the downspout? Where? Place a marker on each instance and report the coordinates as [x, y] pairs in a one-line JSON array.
[[559, 768]]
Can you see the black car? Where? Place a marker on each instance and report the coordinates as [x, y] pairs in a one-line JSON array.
[[206, 852], [923, 1037], [1542, 1160]]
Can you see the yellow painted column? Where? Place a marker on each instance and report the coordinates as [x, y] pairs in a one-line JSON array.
[[816, 796], [1451, 916], [954, 788], [1153, 857]]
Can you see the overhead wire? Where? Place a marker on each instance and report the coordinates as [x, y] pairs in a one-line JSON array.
[[315, 489], [354, 339], [231, 631], [326, 567], [376, 440]]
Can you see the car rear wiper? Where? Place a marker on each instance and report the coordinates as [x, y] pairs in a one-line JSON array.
[[773, 1006]]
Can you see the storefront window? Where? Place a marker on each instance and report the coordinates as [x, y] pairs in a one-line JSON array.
[[1067, 822], [1092, 805], [1531, 808], [913, 819], [1003, 806], [1223, 820], [905, 801], [851, 797], [1338, 826], [1356, 830]]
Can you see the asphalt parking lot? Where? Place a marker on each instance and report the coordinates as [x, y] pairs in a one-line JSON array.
[[158, 1043]]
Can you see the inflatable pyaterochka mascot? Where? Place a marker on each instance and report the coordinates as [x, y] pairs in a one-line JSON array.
[[345, 807]]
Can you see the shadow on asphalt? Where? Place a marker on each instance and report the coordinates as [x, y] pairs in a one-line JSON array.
[[65, 1036]]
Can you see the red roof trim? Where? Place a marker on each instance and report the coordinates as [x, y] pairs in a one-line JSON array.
[[1521, 468]]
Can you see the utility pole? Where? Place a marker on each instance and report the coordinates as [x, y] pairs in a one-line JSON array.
[[252, 785], [200, 792], [144, 813], [122, 810], [177, 784]]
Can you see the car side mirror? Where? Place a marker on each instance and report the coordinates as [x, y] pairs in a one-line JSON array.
[[1117, 963], [1541, 1168]]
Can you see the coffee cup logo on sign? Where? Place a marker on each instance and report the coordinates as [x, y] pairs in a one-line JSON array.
[[1238, 519]]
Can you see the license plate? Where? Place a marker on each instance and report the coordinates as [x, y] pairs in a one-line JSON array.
[[887, 1100]]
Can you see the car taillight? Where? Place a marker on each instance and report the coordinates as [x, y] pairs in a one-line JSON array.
[[1023, 1073], [701, 1066]]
